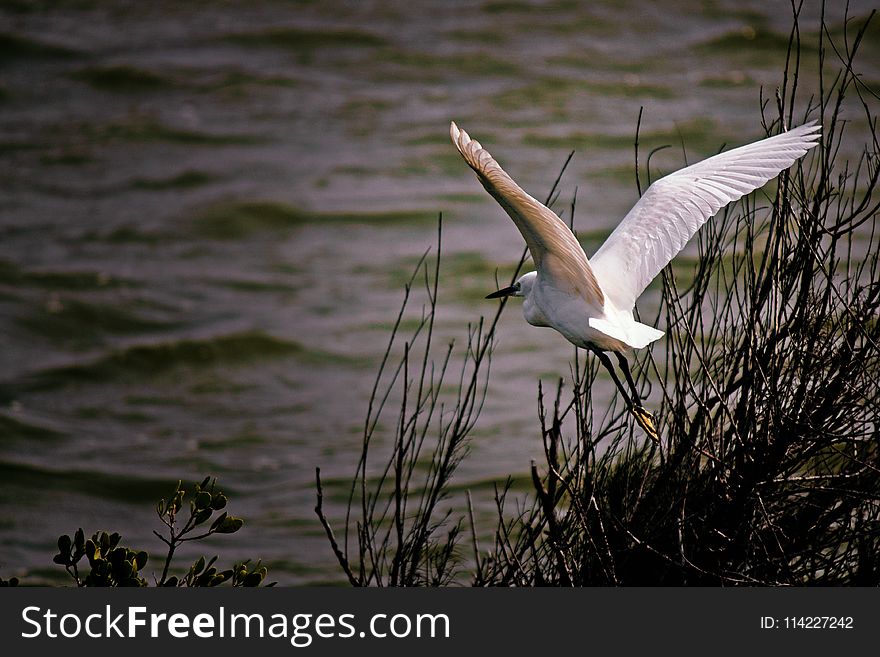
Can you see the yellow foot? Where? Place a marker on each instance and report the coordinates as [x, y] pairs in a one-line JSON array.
[[646, 422]]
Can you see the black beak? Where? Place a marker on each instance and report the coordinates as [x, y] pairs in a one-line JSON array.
[[503, 292]]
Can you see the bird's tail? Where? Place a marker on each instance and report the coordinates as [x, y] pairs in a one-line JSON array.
[[633, 334]]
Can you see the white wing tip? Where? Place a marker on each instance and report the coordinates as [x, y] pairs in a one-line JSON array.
[[811, 131], [469, 148], [459, 137]]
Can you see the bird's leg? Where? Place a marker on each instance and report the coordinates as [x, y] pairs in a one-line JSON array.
[[624, 366], [643, 417], [603, 358]]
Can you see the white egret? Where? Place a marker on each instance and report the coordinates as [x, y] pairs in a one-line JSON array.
[[590, 302]]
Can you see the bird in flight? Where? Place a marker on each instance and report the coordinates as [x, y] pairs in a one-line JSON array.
[[591, 301]]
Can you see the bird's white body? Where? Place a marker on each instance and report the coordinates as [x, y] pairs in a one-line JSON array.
[[583, 322], [591, 302]]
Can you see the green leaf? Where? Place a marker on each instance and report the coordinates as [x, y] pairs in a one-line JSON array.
[[201, 516], [176, 502], [79, 540], [218, 501], [140, 559], [203, 500], [198, 566], [219, 520], [230, 525], [64, 544], [252, 579], [117, 556], [91, 551]]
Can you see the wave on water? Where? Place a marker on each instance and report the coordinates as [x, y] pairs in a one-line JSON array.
[[122, 487], [154, 359], [15, 429]]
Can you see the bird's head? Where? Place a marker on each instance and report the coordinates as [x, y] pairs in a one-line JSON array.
[[521, 288]]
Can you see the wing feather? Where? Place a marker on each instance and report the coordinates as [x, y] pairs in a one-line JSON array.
[[674, 207], [558, 256]]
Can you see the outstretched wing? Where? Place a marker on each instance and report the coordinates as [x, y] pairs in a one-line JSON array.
[[674, 208], [558, 256]]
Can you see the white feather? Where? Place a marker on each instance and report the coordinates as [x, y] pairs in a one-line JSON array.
[[674, 208]]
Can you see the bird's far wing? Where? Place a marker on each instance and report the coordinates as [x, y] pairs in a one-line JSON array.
[[558, 256], [674, 208]]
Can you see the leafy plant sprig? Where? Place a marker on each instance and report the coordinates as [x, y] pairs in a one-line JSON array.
[[112, 564], [206, 501]]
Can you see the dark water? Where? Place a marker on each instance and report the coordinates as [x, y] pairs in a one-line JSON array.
[[207, 211]]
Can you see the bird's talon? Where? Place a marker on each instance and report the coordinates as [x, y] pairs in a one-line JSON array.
[[646, 421]]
